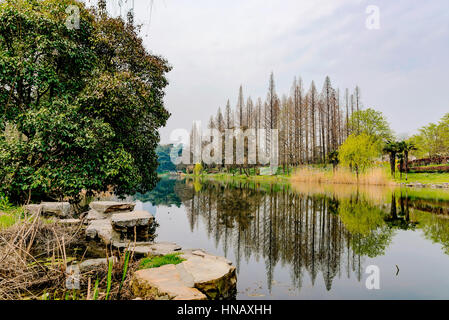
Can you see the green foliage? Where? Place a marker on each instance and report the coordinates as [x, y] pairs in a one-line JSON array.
[[434, 228], [164, 193], [360, 217], [392, 148], [434, 195], [96, 290], [164, 159], [9, 215], [198, 169], [433, 139], [125, 270], [79, 109], [156, 262], [427, 178], [365, 222], [359, 152], [4, 203], [7, 220], [370, 122], [109, 278]]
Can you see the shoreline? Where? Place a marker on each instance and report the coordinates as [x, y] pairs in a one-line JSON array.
[[288, 179]]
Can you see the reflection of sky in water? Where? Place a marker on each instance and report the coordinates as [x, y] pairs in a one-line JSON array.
[[148, 206]]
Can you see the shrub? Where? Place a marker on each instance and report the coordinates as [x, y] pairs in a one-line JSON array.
[[89, 107], [4, 202], [198, 169], [430, 169]]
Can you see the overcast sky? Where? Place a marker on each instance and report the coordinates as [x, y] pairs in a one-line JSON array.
[[216, 45]]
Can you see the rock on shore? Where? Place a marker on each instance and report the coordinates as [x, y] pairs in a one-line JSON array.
[[426, 185], [201, 276], [111, 206], [106, 224], [129, 220], [56, 209], [148, 248]]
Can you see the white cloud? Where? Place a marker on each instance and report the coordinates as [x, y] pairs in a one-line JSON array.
[[214, 46]]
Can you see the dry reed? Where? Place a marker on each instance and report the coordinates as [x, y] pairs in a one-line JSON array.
[[34, 257], [23, 250], [375, 177]]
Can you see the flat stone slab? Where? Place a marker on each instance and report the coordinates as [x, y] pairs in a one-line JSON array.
[[164, 283], [95, 215], [164, 248], [69, 221], [111, 206], [131, 219], [59, 209], [148, 248], [91, 264], [33, 209], [101, 229], [76, 270], [214, 277]]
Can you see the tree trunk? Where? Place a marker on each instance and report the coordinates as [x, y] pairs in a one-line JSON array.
[[393, 163], [406, 164]]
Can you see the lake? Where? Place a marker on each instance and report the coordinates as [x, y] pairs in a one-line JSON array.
[[312, 241]]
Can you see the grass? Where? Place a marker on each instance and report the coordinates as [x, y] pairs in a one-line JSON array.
[[109, 278], [425, 178], [8, 219], [156, 262], [9, 214]]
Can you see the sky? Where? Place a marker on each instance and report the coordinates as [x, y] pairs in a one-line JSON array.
[[402, 67]]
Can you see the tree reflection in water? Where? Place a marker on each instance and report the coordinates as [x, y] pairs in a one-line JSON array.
[[310, 232]]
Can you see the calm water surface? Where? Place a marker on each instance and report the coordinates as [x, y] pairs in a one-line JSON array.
[[311, 242]]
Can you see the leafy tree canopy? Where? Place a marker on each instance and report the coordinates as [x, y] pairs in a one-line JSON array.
[[84, 105], [359, 152], [433, 139], [371, 122]]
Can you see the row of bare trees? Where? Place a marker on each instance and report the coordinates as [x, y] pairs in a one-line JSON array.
[[311, 124]]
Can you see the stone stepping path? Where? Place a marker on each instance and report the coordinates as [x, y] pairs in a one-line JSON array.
[[107, 220], [201, 276]]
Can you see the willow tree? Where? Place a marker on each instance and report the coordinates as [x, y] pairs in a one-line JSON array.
[[87, 102], [359, 152]]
